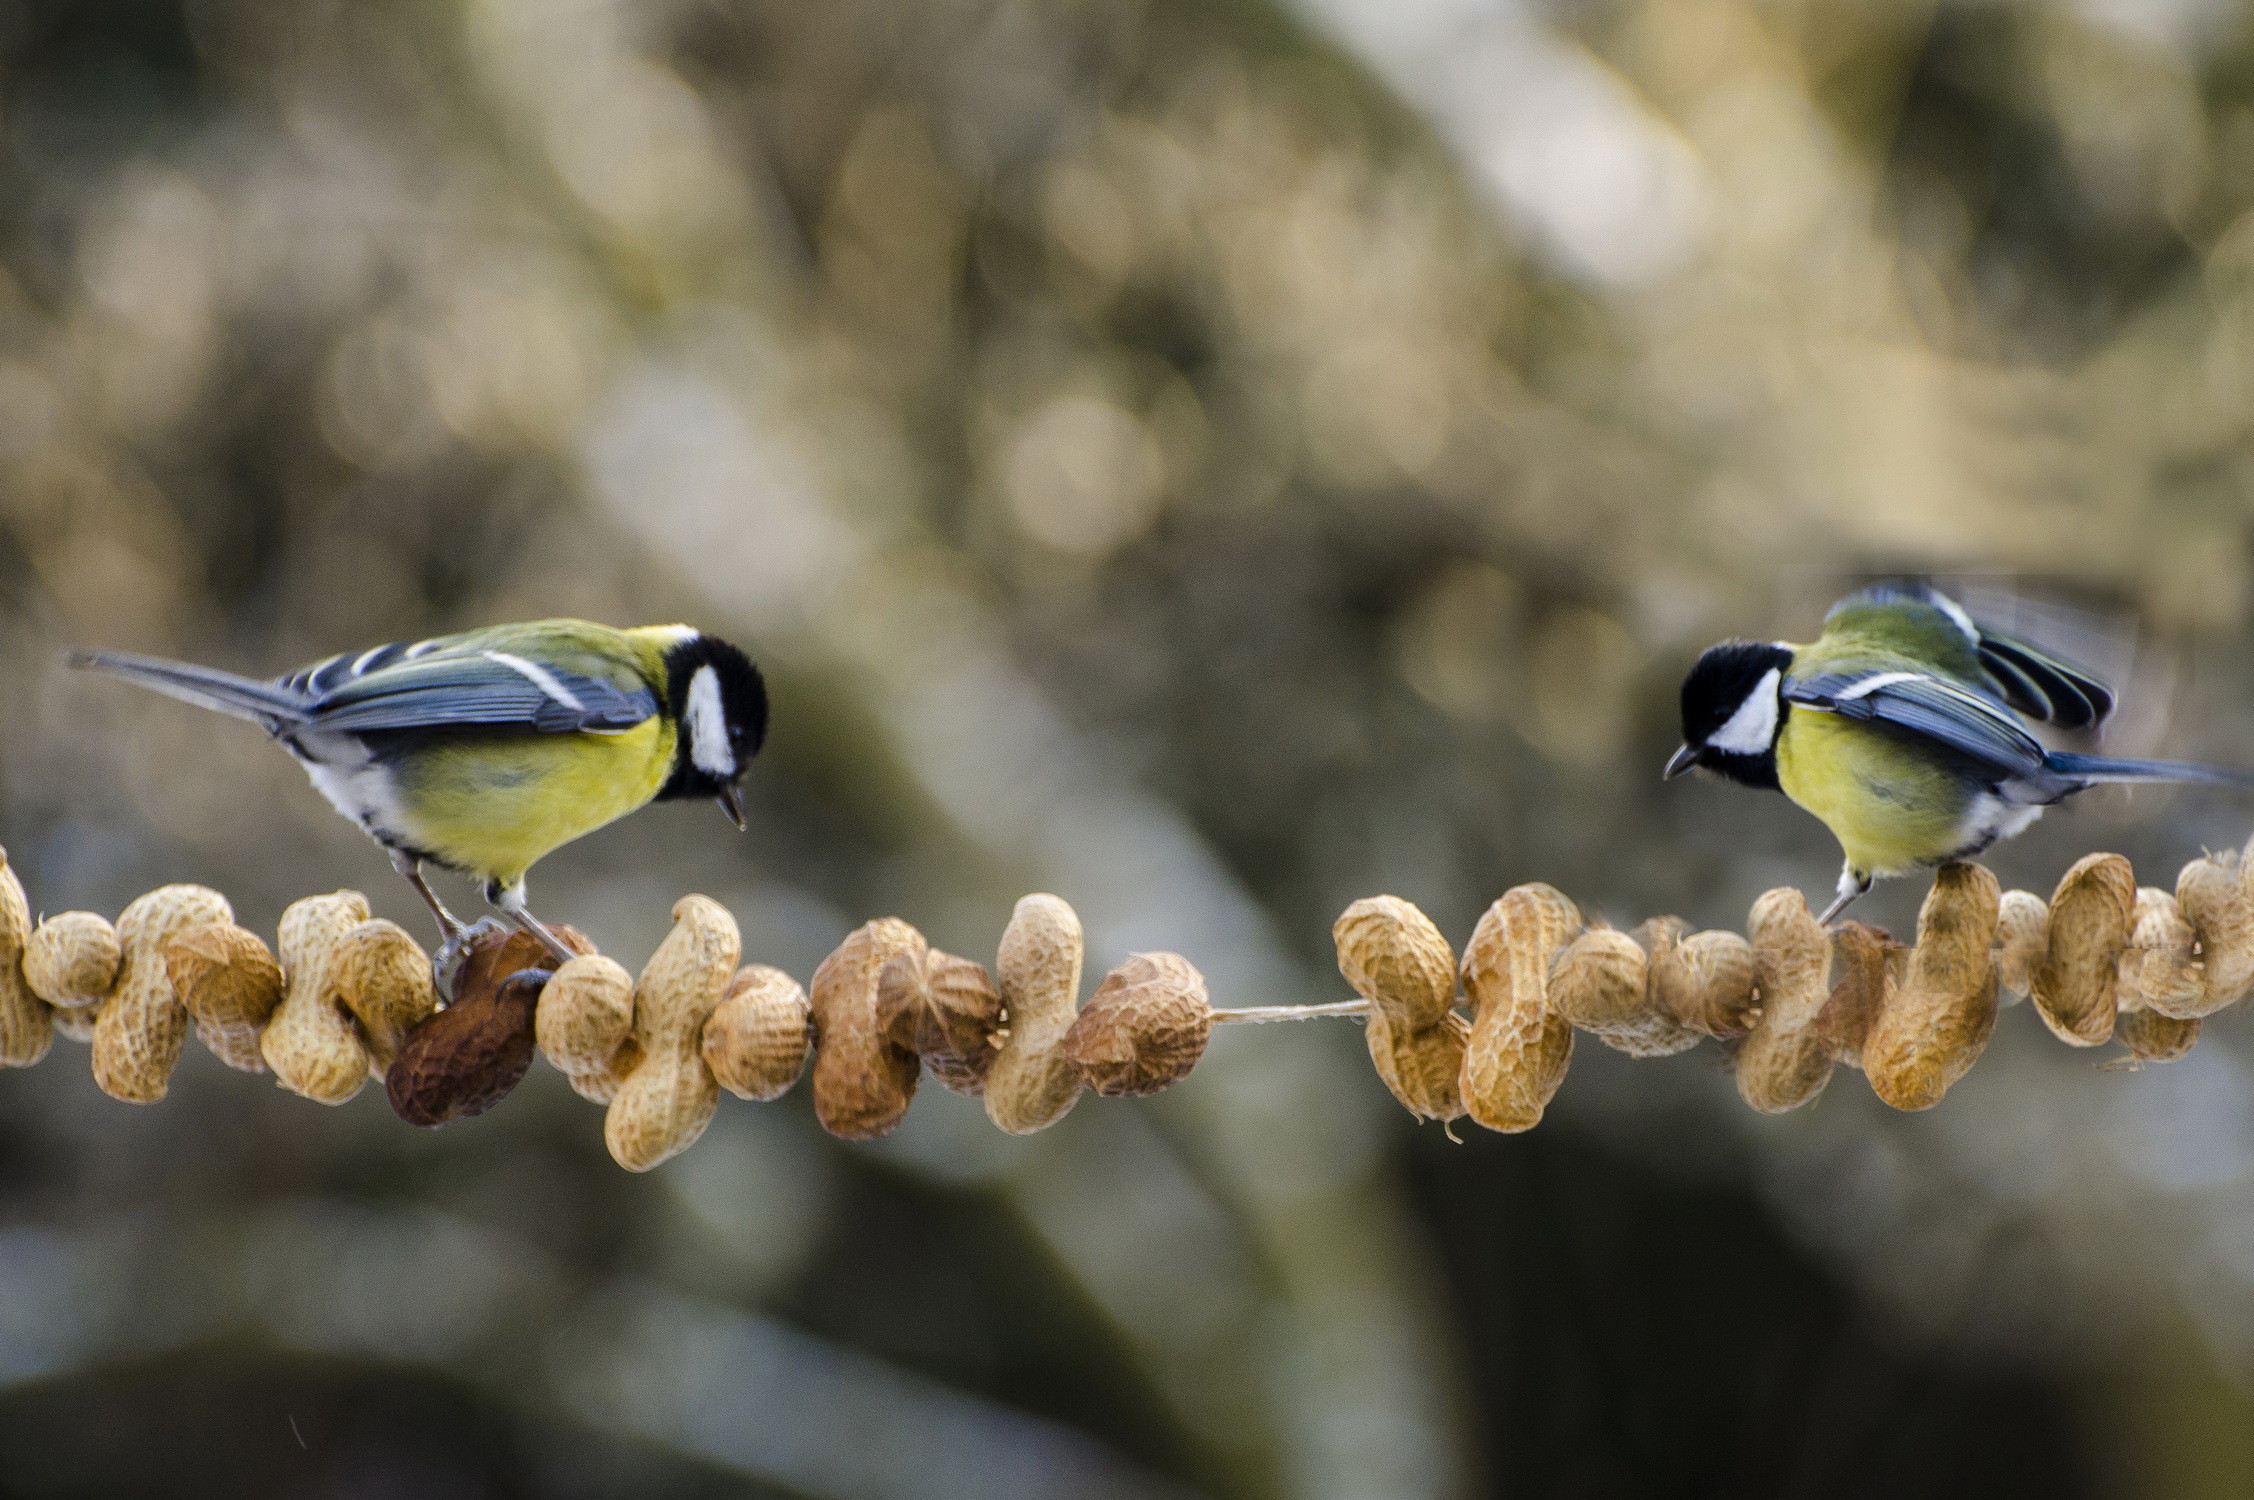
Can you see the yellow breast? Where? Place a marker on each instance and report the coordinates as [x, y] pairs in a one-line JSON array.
[[493, 807], [1890, 808]]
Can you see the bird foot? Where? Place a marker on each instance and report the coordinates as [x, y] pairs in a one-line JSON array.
[[451, 952]]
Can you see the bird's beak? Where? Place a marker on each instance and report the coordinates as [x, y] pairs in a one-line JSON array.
[[1681, 761], [732, 805]]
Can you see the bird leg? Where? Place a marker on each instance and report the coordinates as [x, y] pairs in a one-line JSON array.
[[1852, 883], [509, 902], [450, 929], [455, 939]]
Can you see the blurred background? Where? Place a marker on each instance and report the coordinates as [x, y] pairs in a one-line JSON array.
[[1212, 459]]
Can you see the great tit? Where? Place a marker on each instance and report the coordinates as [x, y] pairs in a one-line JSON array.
[[481, 752], [1896, 728]]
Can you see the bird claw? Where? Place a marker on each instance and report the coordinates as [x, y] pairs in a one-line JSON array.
[[451, 952]]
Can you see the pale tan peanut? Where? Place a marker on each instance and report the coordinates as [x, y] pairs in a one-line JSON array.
[[2211, 893], [1398, 961], [1860, 957], [1037, 969], [1143, 1029], [72, 960], [77, 1023], [1786, 1060], [757, 1041], [2151, 1036], [230, 984], [666, 1102], [1519, 1048], [143, 1025], [27, 1023], [862, 1080], [2023, 936], [1705, 981], [1601, 983], [944, 1009], [584, 1025], [2093, 913], [1937, 1021], [311, 1043], [2160, 968], [383, 977]]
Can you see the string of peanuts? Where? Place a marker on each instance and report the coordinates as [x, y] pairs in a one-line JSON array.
[[342, 999]]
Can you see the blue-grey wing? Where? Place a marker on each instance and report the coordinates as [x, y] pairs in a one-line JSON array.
[[464, 689], [1952, 716]]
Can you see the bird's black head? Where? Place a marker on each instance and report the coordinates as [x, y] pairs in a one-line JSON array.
[[719, 709], [1732, 712]]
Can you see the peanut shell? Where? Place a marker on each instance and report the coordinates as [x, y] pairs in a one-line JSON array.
[[1037, 970], [1398, 961], [1786, 1060], [757, 1041], [27, 1024], [312, 1045], [2092, 914], [143, 1025], [584, 1024], [230, 985], [1705, 981], [2023, 936], [2211, 893], [383, 977], [72, 960], [1937, 1021], [1519, 1049], [945, 1010], [668, 1099], [1600, 983], [2160, 969], [1143, 1029]]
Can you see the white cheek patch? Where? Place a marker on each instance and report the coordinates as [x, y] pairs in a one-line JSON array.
[[708, 726], [1753, 728]]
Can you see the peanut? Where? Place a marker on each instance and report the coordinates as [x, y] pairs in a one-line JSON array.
[[2023, 935], [312, 1045], [27, 1025], [669, 1097], [2211, 893], [230, 985], [2159, 970], [757, 1040], [1519, 1048], [464, 1059], [1398, 961], [945, 1010], [71, 961], [1705, 981], [2152, 1036], [1037, 969], [1937, 1021], [1786, 1060], [2091, 916], [1601, 983], [862, 1081], [1143, 1029], [585, 1024], [143, 1025], [1860, 958], [384, 979]]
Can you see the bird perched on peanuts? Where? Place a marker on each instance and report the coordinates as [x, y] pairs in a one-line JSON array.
[[1899, 727], [485, 751]]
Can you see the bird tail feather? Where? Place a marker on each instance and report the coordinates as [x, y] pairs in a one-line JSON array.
[[206, 687], [2101, 768]]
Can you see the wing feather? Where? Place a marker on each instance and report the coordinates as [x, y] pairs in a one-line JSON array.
[[1933, 708]]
